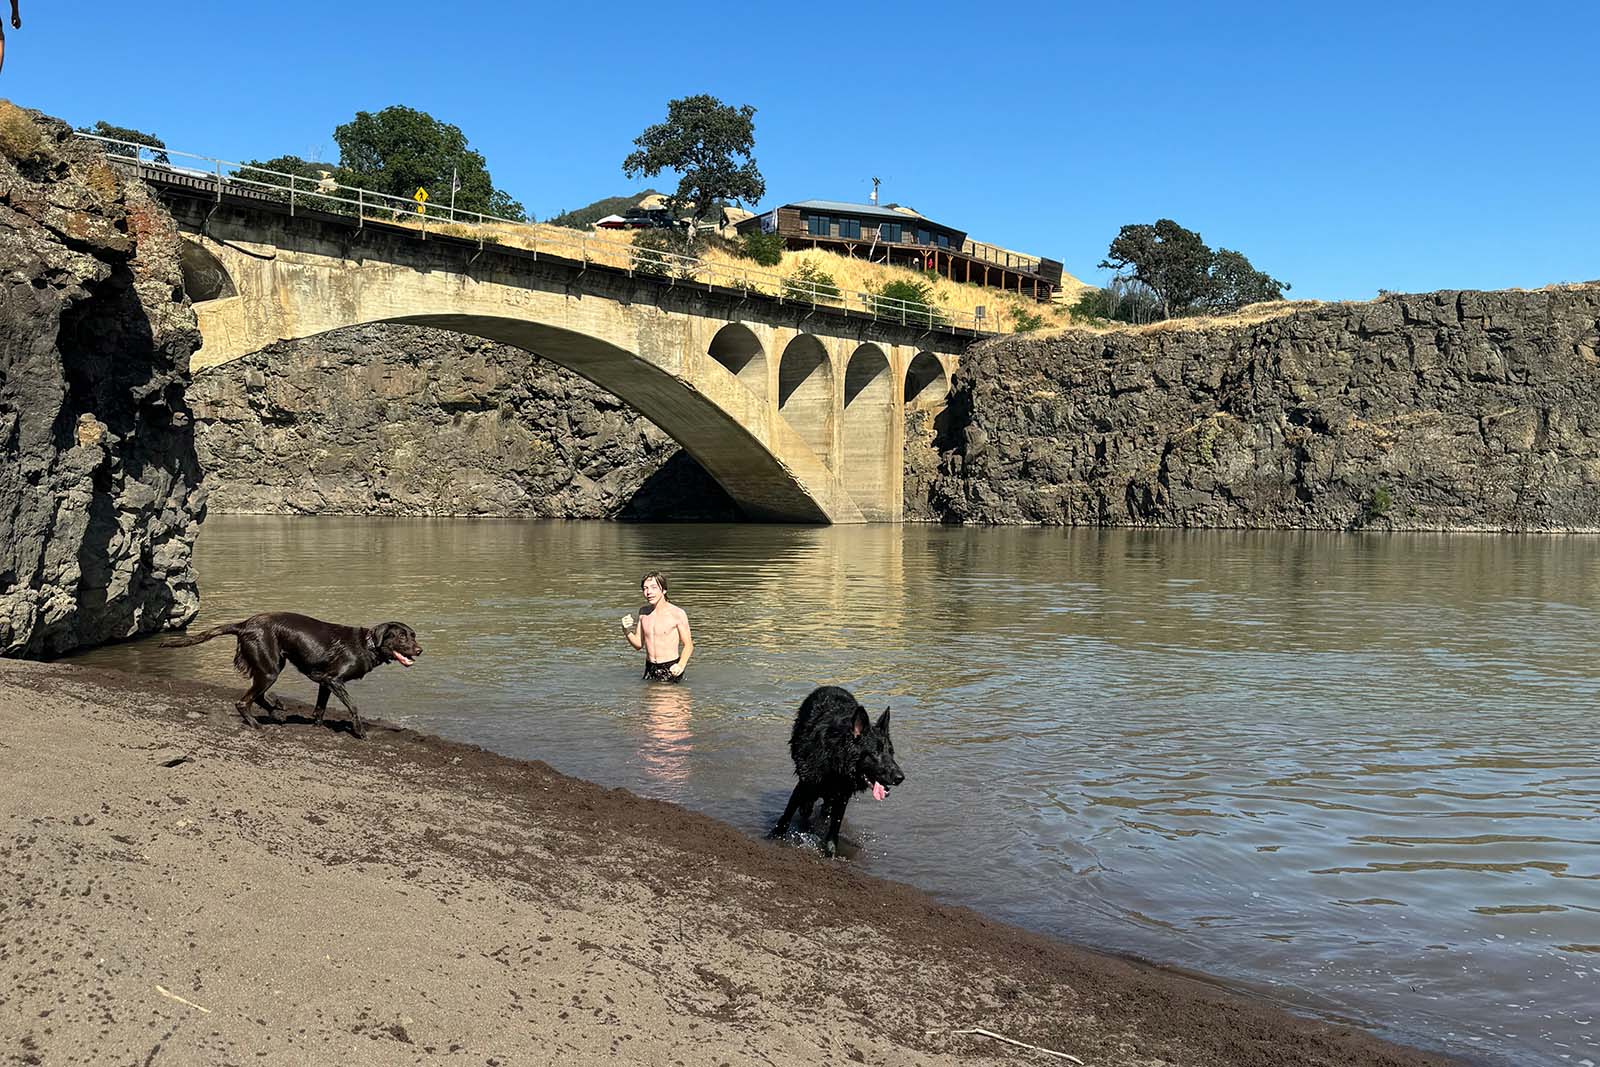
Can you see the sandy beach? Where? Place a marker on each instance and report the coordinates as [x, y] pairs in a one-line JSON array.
[[180, 890]]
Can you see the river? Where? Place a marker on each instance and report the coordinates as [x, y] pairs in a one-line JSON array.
[[1356, 773]]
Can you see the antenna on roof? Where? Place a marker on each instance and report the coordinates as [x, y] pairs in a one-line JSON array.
[[875, 183]]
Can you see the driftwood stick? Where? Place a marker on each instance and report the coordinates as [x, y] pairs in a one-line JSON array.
[[170, 995], [980, 1031]]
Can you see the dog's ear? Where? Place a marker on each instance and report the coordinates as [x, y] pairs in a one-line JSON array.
[[883, 720], [376, 635], [860, 723]]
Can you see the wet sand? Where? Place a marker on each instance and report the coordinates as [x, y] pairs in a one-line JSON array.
[[177, 889]]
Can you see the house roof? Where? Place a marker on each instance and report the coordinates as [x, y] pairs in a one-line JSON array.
[[870, 211]]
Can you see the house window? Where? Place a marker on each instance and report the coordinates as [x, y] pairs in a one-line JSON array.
[[889, 231], [923, 238], [850, 228], [944, 240], [817, 225]]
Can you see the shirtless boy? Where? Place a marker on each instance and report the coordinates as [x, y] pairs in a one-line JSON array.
[[16, 24], [662, 631]]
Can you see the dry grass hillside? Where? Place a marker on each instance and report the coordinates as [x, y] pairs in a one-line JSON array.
[[1003, 311]]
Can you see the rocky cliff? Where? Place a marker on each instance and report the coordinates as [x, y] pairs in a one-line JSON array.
[[1445, 411], [402, 420], [100, 494]]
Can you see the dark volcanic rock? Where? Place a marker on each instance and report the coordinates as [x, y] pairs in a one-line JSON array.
[[99, 485], [1445, 411], [403, 420], [921, 469]]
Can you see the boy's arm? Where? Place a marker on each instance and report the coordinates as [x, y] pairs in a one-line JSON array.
[[688, 644], [632, 629]]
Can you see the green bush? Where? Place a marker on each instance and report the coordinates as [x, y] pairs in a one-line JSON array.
[[1025, 321], [810, 282], [765, 248], [1094, 304], [911, 301], [1382, 502], [1124, 300]]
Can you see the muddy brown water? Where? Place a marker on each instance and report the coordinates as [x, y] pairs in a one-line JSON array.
[[1354, 772]]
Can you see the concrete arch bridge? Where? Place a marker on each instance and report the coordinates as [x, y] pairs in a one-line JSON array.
[[797, 410]]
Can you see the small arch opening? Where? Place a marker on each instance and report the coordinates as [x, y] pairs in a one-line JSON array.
[[806, 393], [927, 385], [204, 276], [739, 350], [869, 464]]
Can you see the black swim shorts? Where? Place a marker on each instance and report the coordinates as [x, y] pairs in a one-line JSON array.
[[661, 672]]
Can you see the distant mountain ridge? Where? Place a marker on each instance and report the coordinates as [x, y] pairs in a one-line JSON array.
[[584, 218]]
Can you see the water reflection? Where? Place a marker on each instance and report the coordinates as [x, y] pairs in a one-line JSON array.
[[1357, 771], [668, 738]]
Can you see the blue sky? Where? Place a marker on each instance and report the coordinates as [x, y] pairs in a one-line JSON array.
[[1343, 148]]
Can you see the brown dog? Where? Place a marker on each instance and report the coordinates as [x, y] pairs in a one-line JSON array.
[[325, 652]]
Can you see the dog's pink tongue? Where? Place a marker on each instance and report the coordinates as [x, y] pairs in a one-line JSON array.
[[878, 791], [403, 661]]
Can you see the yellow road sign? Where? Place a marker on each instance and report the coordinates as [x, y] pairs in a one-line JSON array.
[[420, 196]]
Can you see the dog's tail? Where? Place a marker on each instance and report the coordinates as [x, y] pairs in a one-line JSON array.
[[204, 635]]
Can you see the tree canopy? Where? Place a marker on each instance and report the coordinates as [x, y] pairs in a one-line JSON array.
[[400, 149], [132, 136], [1183, 272], [699, 142]]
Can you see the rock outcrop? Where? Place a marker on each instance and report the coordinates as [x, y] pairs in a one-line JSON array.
[[100, 497], [404, 420], [922, 461], [1444, 411]]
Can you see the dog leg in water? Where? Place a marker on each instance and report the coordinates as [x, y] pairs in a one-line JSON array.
[[836, 806], [799, 801]]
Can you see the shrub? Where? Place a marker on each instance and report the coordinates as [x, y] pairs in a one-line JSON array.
[[1025, 321], [765, 248], [910, 301], [655, 252], [1124, 300], [810, 282], [1094, 304], [712, 241], [20, 136]]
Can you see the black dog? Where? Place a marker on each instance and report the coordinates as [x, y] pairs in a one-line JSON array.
[[837, 753], [325, 652]]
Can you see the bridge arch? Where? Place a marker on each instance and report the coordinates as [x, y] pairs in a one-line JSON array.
[[927, 384], [868, 438], [738, 349], [711, 420], [806, 392], [204, 276], [734, 377]]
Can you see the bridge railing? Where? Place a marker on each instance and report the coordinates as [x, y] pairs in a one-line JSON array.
[[218, 176]]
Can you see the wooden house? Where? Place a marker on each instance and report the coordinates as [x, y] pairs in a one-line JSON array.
[[885, 235]]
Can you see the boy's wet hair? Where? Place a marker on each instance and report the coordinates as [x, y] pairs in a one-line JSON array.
[[661, 580]]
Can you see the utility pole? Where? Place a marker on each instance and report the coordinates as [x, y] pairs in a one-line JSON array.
[[454, 185]]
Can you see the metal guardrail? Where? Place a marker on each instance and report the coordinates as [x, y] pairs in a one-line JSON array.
[[222, 176]]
